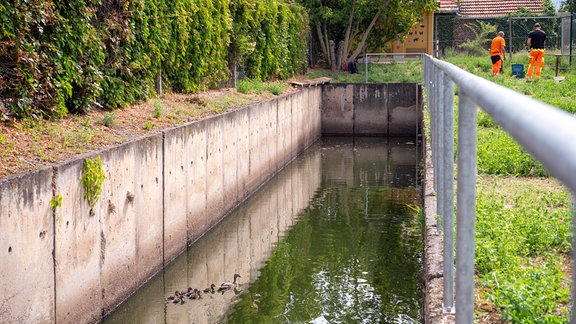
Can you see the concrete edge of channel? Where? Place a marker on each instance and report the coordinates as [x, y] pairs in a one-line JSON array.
[[433, 252]]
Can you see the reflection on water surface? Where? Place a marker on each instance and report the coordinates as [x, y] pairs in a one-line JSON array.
[[333, 238]]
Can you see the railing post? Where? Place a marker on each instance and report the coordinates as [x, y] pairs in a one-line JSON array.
[[573, 292], [438, 168], [448, 192], [466, 208], [433, 125], [366, 65]]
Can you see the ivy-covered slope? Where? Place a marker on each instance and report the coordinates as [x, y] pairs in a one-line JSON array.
[[60, 57]]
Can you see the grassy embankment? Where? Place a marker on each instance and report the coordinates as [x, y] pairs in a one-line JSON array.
[[524, 217]]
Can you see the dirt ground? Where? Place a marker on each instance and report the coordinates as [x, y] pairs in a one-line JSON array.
[[32, 144]]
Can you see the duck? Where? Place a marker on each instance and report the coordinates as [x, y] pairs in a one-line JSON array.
[[210, 290], [172, 297], [229, 285], [177, 298], [195, 294], [188, 292]]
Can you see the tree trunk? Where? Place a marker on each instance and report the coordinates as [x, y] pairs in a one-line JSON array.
[[323, 44], [344, 45], [341, 58], [332, 56], [360, 46]]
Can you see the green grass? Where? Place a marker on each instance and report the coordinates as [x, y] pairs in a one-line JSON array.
[[523, 225], [402, 71], [558, 94], [247, 86], [499, 154], [523, 235], [157, 109]]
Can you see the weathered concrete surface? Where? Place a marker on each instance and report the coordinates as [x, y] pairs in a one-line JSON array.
[[197, 219], [101, 259], [160, 194], [378, 109], [405, 108], [77, 250], [433, 253], [371, 109], [338, 109], [26, 246]]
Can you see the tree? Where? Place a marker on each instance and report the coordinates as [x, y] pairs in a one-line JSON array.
[[548, 7], [569, 5], [343, 29]]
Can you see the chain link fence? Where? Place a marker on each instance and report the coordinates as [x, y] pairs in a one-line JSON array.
[[454, 34]]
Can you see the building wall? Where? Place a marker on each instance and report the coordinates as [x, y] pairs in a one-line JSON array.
[[419, 39]]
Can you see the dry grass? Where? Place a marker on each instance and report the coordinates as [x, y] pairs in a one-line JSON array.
[[28, 145]]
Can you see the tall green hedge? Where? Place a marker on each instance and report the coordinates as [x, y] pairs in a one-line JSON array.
[[60, 57]]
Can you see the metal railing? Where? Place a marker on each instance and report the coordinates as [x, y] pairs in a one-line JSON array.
[[547, 133]]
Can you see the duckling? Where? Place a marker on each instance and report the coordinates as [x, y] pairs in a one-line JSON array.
[[171, 297], [195, 294], [229, 285], [210, 290], [188, 292], [178, 299]]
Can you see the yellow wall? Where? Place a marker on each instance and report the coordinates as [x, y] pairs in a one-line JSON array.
[[419, 39]]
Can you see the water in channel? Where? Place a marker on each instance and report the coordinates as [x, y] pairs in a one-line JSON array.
[[333, 238]]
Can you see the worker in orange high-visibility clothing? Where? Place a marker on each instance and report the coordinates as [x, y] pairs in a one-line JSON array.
[[497, 53], [535, 42]]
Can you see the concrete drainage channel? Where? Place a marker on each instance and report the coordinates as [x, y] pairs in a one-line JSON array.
[[162, 192]]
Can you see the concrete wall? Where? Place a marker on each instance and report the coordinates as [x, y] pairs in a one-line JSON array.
[[247, 236], [379, 109], [161, 193], [26, 247]]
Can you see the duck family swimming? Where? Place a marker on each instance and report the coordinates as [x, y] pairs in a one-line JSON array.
[[179, 297]]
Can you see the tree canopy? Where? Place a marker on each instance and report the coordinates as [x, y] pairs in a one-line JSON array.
[[343, 29], [569, 5]]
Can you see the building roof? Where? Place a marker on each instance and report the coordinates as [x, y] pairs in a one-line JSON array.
[[448, 5], [489, 8]]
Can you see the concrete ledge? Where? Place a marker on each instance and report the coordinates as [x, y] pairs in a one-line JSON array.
[[374, 109], [433, 253]]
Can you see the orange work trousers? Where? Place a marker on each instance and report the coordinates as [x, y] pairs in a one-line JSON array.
[[497, 67], [536, 59]]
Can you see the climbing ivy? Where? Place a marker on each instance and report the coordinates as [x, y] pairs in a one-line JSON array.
[[92, 180], [60, 57]]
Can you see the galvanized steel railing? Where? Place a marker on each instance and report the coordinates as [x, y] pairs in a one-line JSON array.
[[547, 133]]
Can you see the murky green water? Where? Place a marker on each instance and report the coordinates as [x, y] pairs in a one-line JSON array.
[[331, 239]]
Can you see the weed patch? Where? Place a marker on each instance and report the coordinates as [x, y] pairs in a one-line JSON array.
[[523, 233], [499, 154]]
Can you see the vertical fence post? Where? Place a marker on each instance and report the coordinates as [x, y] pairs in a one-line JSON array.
[[466, 209], [438, 168], [573, 292], [433, 120], [366, 64], [448, 192]]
